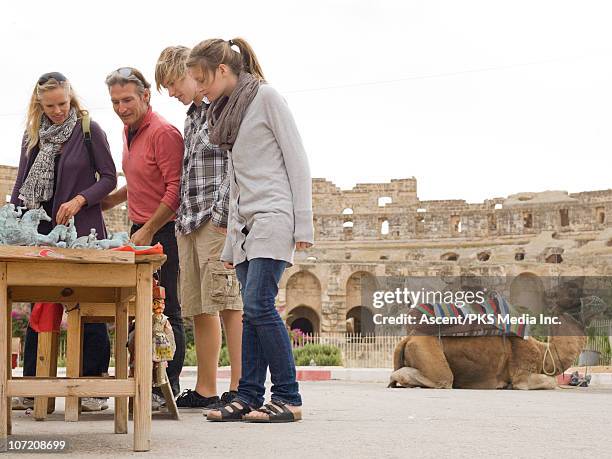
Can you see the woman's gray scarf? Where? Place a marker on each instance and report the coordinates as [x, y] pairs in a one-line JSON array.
[[225, 114], [38, 186]]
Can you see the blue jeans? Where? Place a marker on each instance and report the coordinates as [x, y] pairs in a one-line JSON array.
[[265, 341]]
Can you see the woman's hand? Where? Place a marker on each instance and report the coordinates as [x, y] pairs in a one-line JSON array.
[[69, 209], [302, 245], [228, 265]]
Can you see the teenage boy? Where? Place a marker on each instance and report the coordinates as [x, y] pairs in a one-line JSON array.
[[209, 292]]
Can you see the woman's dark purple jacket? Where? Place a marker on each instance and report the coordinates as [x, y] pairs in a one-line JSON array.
[[76, 176]]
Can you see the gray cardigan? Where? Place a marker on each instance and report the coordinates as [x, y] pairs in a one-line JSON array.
[[270, 184]]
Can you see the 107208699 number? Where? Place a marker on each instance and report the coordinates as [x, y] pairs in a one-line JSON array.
[[35, 445]]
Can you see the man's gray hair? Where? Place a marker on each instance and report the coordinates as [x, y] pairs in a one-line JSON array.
[[125, 75]]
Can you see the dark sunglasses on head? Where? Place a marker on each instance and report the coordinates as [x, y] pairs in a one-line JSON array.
[[52, 76]]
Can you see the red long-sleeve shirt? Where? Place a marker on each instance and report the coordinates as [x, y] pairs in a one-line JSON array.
[[152, 166]]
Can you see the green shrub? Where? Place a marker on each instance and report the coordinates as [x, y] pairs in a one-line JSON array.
[[322, 354], [224, 357], [190, 356], [191, 360]]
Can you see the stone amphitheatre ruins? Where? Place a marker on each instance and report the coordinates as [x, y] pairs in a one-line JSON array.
[[383, 229]]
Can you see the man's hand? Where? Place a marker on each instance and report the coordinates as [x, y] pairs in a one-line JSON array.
[[114, 199], [228, 265], [69, 209], [302, 245], [218, 229], [142, 237]]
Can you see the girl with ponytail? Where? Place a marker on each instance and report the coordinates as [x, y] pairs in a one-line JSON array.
[[270, 216]]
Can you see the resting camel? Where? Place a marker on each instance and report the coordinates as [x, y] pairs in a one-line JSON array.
[[486, 362]]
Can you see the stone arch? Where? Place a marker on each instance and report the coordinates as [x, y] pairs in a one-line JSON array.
[[359, 288], [449, 256], [358, 284], [527, 291], [360, 319], [304, 318], [303, 287]]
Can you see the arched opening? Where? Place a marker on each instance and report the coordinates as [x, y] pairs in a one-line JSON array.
[[360, 321], [347, 211], [384, 200], [420, 216], [519, 255], [347, 229], [484, 256], [305, 319], [527, 293], [359, 289], [564, 216], [554, 258], [384, 227], [302, 324], [601, 215], [450, 256], [455, 223], [303, 299]]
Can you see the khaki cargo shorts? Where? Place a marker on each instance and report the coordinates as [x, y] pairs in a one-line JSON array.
[[206, 287]]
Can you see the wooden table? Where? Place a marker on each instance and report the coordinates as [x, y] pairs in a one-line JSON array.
[[71, 276]]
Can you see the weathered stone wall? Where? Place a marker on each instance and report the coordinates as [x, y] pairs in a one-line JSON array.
[[522, 235], [356, 214], [383, 229]]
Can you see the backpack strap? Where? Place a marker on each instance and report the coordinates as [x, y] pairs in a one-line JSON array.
[[86, 124]]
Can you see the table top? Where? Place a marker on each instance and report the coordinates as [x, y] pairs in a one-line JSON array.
[[93, 256]]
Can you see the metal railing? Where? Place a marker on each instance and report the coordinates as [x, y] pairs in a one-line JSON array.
[[600, 340], [358, 351]]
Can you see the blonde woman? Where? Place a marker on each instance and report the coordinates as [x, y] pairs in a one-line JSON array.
[[58, 173]]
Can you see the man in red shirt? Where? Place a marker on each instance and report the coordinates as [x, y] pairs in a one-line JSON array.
[[152, 162]]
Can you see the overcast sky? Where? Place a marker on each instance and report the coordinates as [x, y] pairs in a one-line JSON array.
[[476, 99]]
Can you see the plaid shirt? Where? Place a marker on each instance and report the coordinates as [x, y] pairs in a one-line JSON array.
[[204, 181]]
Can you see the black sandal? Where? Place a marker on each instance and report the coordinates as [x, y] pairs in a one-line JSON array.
[[238, 410], [277, 412]]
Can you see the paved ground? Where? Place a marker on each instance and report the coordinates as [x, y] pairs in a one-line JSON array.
[[352, 419]]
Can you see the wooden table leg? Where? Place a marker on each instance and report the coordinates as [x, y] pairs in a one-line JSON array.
[[143, 363], [46, 355], [74, 359], [5, 350], [121, 362]]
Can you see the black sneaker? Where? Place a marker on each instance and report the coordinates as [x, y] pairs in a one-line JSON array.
[[191, 399], [229, 397]]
